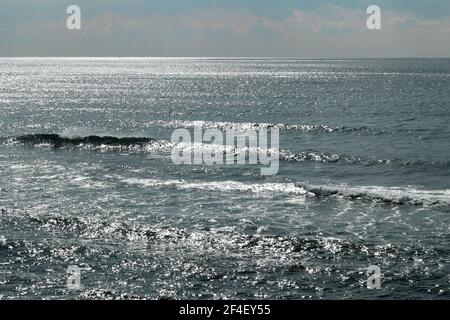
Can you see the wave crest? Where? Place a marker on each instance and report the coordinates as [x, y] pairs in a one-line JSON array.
[[243, 126], [390, 195], [56, 141]]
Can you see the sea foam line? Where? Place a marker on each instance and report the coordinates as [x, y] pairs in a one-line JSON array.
[[393, 195], [225, 186], [243, 126]]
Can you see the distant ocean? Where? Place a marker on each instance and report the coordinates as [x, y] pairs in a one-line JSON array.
[[86, 179]]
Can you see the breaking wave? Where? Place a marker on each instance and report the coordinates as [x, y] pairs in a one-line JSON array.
[[146, 144], [377, 194], [319, 157], [243, 126], [56, 141], [391, 195], [59, 141], [225, 186]]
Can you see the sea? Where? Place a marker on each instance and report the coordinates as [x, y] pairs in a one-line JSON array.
[[87, 180]]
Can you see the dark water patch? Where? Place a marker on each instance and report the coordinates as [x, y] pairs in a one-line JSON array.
[[57, 141]]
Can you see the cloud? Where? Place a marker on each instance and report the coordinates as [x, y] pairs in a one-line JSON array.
[[325, 31]]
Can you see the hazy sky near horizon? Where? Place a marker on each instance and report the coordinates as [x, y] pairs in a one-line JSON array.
[[293, 28]]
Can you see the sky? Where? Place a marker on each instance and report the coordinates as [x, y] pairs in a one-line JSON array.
[[226, 28]]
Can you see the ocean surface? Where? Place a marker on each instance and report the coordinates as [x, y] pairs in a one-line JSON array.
[[86, 179]]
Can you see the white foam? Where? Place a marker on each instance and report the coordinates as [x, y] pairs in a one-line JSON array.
[[396, 195], [226, 186], [240, 126]]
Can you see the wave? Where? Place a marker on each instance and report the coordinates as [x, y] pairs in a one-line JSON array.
[[326, 157], [143, 144], [243, 126], [56, 141], [393, 195], [225, 186], [319, 157], [390, 195], [376, 194], [146, 145], [218, 237]]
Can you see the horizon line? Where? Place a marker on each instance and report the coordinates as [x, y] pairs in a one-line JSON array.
[[225, 57]]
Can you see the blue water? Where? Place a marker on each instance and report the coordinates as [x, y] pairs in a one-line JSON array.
[[364, 179]]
